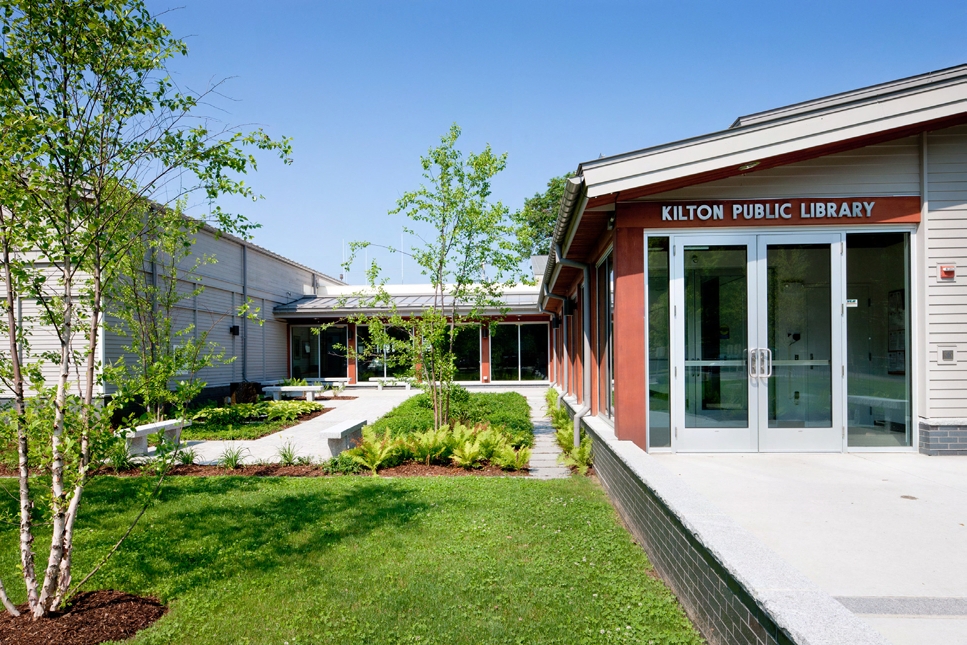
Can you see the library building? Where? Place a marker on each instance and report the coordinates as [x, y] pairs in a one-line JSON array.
[[796, 282]]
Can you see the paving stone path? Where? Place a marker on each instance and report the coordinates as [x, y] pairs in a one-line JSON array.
[[543, 463]]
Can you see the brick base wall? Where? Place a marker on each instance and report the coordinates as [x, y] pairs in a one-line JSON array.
[[943, 440], [716, 603]]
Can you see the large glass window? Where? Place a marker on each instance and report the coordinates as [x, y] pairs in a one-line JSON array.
[[374, 362], [466, 349], [878, 339], [659, 341], [605, 312], [305, 354], [332, 355], [504, 353], [518, 352], [533, 352]]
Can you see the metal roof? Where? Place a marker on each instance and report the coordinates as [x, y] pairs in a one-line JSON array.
[[340, 306]]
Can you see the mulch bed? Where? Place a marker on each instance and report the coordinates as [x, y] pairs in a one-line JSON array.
[[413, 469], [93, 617]]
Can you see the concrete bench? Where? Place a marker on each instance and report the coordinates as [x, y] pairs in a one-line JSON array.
[[389, 381], [308, 390], [344, 435], [137, 437]]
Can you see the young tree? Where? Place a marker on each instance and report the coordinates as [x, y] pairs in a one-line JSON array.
[[162, 354], [469, 257], [94, 134], [535, 222]]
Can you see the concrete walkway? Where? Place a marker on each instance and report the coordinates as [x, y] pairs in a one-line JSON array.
[[883, 533], [370, 404]]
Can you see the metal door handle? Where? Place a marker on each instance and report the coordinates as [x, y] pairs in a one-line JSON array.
[[765, 363], [752, 357]]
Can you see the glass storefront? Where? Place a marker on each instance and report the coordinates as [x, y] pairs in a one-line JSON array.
[[878, 340], [533, 352], [378, 362]]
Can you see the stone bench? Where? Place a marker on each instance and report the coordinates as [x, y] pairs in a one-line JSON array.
[[343, 435], [308, 390], [389, 381], [137, 437]]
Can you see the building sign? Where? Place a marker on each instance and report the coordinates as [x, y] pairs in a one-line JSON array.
[[780, 212]]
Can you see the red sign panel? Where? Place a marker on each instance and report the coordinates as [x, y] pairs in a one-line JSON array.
[[849, 211]]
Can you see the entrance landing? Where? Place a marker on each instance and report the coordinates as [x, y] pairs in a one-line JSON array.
[[883, 533]]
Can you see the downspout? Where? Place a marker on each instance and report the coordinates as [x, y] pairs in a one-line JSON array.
[[586, 324], [245, 317]]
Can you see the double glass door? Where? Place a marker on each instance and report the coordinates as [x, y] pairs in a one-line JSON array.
[[757, 332]]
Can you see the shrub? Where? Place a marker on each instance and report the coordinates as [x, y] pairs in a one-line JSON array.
[[294, 382], [341, 464], [507, 409]]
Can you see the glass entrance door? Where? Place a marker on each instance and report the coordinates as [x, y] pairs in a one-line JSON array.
[[800, 334], [758, 339]]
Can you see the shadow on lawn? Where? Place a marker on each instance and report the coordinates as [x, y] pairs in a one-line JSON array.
[[209, 530]]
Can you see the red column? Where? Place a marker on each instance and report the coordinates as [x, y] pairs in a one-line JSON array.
[[351, 361], [485, 355], [629, 334]]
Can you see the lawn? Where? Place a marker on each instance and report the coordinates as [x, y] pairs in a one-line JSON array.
[[366, 560]]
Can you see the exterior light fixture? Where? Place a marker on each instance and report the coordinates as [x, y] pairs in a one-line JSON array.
[[749, 166]]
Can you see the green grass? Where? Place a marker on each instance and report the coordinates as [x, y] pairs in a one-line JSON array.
[[361, 560], [506, 409]]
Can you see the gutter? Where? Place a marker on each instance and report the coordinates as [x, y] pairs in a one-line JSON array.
[[586, 324], [573, 202]]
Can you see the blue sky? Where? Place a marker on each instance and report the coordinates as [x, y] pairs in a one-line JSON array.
[[364, 88]]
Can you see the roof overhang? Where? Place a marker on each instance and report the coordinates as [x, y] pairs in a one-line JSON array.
[[765, 140]]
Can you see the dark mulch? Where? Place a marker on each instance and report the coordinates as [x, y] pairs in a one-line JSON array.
[[422, 470], [93, 617]]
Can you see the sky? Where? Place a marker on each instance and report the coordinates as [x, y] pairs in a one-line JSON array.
[[365, 88]]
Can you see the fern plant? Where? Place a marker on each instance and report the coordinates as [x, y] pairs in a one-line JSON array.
[[373, 452], [431, 446], [579, 458], [467, 455], [510, 459], [491, 443]]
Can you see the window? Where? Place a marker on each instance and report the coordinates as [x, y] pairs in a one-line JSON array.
[[519, 352], [605, 313], [374, 363], [466, 350], [659, 341], [318, 355], [878, 340]]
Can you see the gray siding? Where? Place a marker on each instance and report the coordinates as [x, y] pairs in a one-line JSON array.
[[946, 243], [891, 168]]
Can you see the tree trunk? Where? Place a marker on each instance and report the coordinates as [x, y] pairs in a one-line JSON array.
[[26, 527], [58, 497]]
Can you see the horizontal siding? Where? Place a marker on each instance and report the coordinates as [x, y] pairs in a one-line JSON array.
[[946, 243], [891, 168]]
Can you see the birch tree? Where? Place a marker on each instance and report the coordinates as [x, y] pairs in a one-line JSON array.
[[468, 254], [95, 135]]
